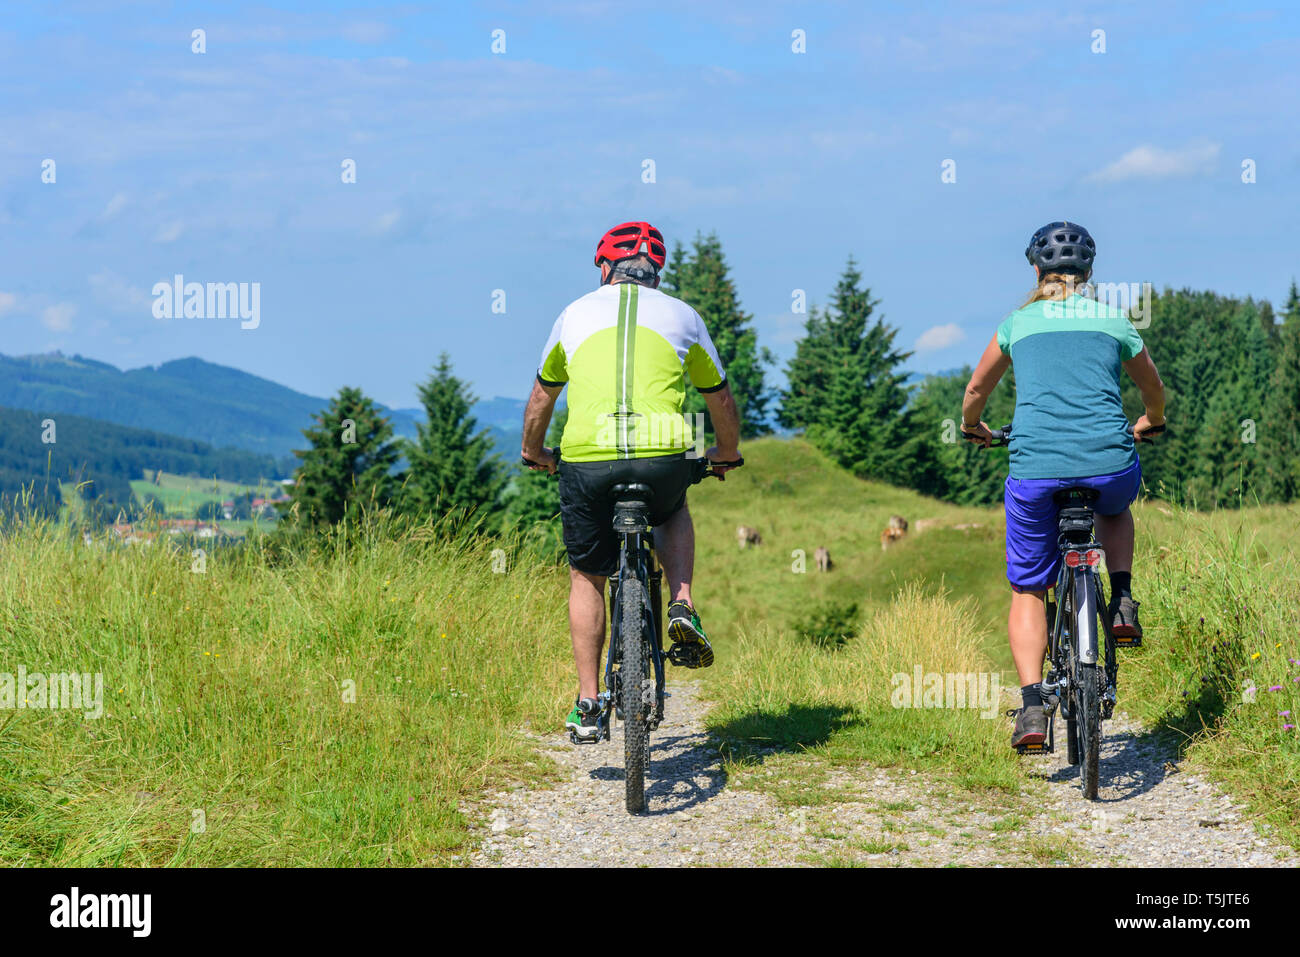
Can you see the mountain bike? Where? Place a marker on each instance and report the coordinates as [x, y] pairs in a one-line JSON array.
[[1083, 668], [634, 668]]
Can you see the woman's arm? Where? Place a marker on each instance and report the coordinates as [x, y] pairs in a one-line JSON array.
[[992, 366], [1143, 372]]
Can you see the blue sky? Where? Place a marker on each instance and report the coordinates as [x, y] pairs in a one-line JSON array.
[[479, 171]]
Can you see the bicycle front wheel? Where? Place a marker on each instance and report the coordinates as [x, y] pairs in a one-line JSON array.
[[637, 691]]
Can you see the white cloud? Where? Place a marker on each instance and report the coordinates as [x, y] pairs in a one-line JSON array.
[[385, 223], [7, 301], [58, 317], [1152, 162], [939, 337], [114, 292], [169, 233], [115, 206], [366, 32]]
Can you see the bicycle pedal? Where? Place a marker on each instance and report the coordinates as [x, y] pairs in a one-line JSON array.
[[1128, 641], [1042, 747]]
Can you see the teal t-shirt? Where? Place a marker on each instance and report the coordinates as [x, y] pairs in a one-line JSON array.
[[1067, 355]]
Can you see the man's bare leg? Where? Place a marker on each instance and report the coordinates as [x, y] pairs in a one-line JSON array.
[[675, 546], [587, 628]]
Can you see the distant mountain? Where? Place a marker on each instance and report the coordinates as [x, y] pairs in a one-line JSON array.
[[203, 401]]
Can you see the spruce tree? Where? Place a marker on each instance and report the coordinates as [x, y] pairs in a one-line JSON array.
[[347, 467], [936, 460], [1279, 430], [451, 462], [534, 496], [702, 280], [845, 389]]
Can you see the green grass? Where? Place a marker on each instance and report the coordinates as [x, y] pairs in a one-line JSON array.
[[225, 700], [1222, 605], [780, 700]]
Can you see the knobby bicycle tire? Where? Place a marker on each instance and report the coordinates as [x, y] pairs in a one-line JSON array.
[[632, 682]]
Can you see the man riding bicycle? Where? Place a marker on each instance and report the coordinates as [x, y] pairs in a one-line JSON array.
[[1070, 430], [625, 351]]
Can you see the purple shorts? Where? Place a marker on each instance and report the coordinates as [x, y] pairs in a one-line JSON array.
[[1032, 555]]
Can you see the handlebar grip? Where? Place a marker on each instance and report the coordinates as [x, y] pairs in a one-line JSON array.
[[1154, 430], [531, 464]]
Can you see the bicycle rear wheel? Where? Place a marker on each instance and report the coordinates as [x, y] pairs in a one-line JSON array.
[[1089, 727], [1071, 706], [637, 691]]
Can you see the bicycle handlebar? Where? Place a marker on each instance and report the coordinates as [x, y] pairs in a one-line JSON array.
[[708, 467], [1002, 436]]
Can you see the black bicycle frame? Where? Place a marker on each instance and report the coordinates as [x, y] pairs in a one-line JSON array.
[[637, 561]]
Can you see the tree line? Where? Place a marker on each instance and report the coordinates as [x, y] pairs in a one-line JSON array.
[[1231, 369]]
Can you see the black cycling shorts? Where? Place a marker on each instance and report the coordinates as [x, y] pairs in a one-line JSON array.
[[587, 504]]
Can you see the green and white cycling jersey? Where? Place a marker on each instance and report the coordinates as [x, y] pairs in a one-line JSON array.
[[625, 351]]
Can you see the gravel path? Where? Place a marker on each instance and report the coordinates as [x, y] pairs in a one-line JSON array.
[[1149, 813]]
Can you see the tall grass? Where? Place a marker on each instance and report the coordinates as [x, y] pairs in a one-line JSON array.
[[1220, 667], [329, 703], [776, 692]]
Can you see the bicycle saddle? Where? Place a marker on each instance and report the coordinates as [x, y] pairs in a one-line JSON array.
[[631, 509], [1075, 520], [1076, 495], [635, 489]]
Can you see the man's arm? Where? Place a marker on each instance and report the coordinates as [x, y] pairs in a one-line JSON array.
[[992, 366], [726, 424], [537, 416], [1143, 372]]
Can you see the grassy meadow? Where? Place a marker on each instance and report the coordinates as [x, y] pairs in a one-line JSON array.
[[337, 707], [351, 704]]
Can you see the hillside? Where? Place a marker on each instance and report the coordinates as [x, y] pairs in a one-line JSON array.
[[107, 457], [191, 398]]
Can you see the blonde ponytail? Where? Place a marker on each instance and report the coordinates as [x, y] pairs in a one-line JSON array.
[[1058, 285]]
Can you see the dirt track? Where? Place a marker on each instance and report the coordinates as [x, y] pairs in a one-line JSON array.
[[1149, 813]]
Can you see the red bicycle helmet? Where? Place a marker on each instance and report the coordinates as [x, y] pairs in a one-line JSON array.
[[625, 241]]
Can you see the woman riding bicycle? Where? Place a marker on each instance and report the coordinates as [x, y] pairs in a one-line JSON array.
[[1070, 430]]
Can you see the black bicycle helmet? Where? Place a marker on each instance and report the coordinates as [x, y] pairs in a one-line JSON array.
[[1062, 245]]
